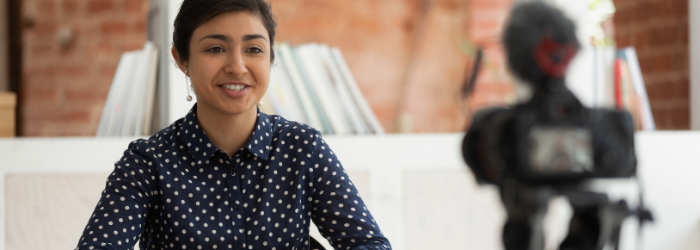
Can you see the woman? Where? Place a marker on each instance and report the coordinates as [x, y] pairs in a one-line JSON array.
[[227, 176]]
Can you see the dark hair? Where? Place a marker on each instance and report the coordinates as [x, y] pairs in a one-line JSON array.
[[194, 13]]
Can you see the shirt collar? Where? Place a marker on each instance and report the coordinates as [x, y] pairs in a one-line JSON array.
[[200, 147]]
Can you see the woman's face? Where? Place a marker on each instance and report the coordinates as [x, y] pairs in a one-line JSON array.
[[229, 63]]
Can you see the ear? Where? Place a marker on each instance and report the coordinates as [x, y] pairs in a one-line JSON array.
[[180, 64]]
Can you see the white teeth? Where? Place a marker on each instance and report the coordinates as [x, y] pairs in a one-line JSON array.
[[234, 87]]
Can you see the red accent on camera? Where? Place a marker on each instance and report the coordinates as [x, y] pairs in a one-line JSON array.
[[554, 58]]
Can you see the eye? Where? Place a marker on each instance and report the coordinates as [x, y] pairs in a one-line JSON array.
[[255, 50], [216, 50]]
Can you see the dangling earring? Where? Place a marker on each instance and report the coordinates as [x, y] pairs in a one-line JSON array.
[[260, 103], [187, 86]]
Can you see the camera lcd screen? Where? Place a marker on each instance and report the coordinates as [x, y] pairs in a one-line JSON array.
[[560, 150]]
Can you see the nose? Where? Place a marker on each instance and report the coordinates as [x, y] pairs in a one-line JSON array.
[[236, 65]]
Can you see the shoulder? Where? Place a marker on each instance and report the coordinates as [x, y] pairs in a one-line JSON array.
[[284, 127], [157, 144], [288, 133]]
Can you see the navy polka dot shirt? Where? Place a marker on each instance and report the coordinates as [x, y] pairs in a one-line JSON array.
[[176, 190]]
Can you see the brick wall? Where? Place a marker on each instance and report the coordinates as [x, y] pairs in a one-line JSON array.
[[658, 29], [65, 84], [494, 85], [380, 44], [71, 49], [70, 53]]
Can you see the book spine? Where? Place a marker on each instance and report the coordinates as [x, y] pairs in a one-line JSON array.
[[360, 101], [150, 92], [282, 94], [630, 55], [326, 99], [341, 88], [108, 110], [300, 87], [618, 84]]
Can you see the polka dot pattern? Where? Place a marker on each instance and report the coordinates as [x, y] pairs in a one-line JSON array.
[[176, 190]]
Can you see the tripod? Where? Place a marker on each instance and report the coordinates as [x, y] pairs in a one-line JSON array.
[[595, 223]]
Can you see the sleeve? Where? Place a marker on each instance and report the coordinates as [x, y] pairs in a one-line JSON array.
[[119, 217], [338, 211]]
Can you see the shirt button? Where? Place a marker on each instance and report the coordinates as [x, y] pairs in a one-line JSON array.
[[233, 172], [236, 206], [241, 245]]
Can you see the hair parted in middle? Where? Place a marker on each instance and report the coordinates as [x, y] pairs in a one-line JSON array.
[[194, 13]]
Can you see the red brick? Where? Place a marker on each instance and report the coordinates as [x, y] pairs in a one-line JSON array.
[[662, 63], [640, 40], [140, 27], [622, 41], [43, 28], [491, 4], [40, 49], [659, 91], [71, 71], [679, 7], [683, 36], [46, 93], [62, 90], [679, 118], [70, 7], [664, 36], [100, 6], [136, 5], [643, 12], [91, 94], [45, 9], [113, 27], [622, 17]]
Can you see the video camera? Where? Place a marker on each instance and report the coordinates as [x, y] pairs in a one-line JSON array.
[[550, 145]]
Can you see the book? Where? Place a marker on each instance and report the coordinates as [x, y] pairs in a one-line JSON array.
[[327, 101], [325, 126], [363, 106], [341, 88], [149, 103], [128, 110], [300, 88], [283, 97], [113, 103], [636, 89]]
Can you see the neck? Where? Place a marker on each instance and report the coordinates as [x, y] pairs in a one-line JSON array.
[[228, 132]]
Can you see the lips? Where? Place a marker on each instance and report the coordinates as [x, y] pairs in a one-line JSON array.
[[235, 89]]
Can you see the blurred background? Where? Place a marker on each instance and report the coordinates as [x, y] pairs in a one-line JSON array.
[[409, 57]]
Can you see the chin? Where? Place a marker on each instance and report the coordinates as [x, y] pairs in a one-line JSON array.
[[238, 109]]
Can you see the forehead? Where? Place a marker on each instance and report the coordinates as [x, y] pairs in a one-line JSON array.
[[234, 24]]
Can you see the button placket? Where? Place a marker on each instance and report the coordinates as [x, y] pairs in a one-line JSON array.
[[235, 198]]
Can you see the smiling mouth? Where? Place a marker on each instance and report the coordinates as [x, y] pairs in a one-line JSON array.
[[235, 87]]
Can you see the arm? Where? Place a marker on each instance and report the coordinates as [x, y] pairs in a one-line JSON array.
[[338, 210], [119, 217]]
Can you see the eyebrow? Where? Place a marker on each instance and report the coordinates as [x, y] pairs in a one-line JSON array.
[[226, 38], [253, 36]]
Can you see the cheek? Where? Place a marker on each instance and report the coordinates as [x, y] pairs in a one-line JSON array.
[[262, 75], [203, 71]]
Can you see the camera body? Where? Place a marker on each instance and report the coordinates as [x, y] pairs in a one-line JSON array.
[[550, 145], [550, 140]]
